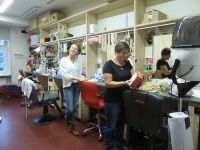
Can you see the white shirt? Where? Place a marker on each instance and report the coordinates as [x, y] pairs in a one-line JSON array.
[[68, 70]]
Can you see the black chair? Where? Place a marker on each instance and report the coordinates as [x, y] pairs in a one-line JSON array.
[[44, 97], [145, 112]]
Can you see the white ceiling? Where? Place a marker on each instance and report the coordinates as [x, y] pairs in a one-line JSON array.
[[21, 11]]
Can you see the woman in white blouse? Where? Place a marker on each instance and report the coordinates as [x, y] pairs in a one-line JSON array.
[[71, 75]]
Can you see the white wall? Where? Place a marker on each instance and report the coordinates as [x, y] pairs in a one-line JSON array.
[[19, 52], [115, 19], [175, 8], [78, 28], [4, 33]]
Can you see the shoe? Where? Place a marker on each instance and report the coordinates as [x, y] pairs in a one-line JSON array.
[[72, 129], [75, 132]]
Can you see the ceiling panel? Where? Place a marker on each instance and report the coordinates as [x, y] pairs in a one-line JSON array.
[[28, 9]]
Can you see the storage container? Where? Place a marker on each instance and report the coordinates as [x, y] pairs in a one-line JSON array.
[[44, 19], [33, 25], [153, 16], [56, 16]]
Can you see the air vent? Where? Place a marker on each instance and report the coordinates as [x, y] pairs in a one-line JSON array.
[[31, 12]]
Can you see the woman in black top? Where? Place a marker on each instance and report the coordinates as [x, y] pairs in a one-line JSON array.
[[162, 63], [117, 73]]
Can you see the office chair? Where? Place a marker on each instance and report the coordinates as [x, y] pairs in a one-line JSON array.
[[91, 97]]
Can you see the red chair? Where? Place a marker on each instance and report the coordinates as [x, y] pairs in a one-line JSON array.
[[90, 95]]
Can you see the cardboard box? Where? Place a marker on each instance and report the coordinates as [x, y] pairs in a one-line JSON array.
[[44, 19], [33, 25], [153, 16], [56, 16]]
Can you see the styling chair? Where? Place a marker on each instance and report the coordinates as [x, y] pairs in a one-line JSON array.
[[147, 113], [44, 97], [90, 96]]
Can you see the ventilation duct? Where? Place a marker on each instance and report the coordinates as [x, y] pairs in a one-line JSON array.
[[49, 2], [31, 12]]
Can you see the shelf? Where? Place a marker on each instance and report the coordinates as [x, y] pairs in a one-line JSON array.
[[50, 43], [73, 38], [156, 24], [49, 26], [73, 18], [113, 31], [161, 23]]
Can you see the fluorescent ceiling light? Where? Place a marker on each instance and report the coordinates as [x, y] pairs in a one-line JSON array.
[[5, 5]]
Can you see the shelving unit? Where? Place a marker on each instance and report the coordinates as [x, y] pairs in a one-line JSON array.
[[161, 27], [120, 18], [103, 25], [116, 17]]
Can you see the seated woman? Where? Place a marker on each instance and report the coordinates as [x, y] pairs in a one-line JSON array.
[[162, 64]]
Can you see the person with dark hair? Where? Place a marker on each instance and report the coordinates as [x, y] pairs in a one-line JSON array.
[[162, 64], [116, 73], [71, 75]]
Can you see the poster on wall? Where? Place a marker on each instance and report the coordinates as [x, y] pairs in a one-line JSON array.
[[148, 64]]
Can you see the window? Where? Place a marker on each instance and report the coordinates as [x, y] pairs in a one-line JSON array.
[[4, 58]]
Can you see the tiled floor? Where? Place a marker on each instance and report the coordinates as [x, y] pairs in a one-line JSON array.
[[19, 133]]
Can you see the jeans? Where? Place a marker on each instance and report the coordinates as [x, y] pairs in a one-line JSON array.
[[71, 97], [115, 124]]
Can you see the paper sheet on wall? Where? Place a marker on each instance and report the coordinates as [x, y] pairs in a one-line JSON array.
[[148, 52]]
